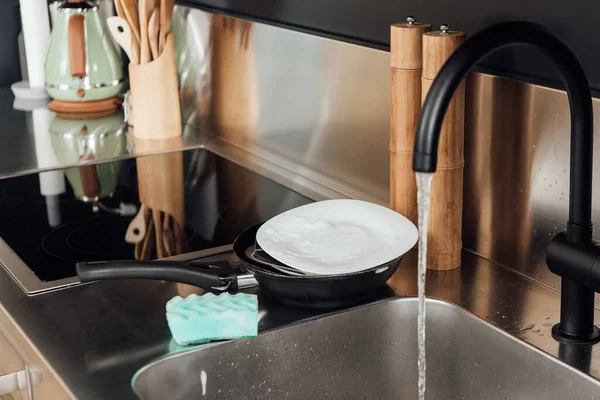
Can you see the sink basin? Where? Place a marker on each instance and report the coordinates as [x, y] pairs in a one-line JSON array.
[[368, 352]]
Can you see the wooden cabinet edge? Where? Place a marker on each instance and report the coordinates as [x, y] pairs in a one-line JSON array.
[[51, 387], [10, 361]]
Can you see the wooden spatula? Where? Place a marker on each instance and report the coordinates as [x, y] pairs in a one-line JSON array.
[[153, 33], [137, 228], [166, 15], [143, 249], [121, 31], [145, 8], [130, 14], [119, 9], [158, 228]]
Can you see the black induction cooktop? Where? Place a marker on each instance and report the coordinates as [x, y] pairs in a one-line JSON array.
[[50, 233]]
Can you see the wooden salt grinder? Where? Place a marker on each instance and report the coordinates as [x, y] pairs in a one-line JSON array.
[[445, 216], [405, 61]]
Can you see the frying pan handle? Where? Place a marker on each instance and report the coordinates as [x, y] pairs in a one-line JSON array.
[[208, 276]]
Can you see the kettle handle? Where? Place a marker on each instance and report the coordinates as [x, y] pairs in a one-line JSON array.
[[76, 38], [90, 184]]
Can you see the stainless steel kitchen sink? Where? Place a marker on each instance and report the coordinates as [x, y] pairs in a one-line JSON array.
[[368, 352]]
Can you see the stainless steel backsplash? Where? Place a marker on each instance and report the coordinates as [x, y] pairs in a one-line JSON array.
[[320, 108]]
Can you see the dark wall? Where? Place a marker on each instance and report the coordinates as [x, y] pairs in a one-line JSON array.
[[367, 22], [10, 26]]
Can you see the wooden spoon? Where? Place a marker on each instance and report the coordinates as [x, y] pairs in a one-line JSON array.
[[143, 250], [119, 9], [129, 9], [180, 238], [153, 33], [145, 8], [168, 236], [157, 217], [166, 15]]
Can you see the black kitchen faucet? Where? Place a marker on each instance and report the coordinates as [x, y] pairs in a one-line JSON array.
[[573, 255]]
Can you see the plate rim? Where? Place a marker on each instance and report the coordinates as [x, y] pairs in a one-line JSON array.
[[329, 271]]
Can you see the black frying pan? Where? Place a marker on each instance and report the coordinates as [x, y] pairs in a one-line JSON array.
[[306, 290]]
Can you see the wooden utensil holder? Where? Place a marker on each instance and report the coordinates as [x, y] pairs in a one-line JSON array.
[[155, 110]]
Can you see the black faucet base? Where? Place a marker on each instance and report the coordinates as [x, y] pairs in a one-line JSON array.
[[579, 266], [562, 337]]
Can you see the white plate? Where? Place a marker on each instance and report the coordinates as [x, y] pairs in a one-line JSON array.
[[337, 236]]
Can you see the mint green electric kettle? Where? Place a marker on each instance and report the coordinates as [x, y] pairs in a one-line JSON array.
[[82, 64]]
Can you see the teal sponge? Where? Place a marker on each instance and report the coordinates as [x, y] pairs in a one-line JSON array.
[[197, 319]]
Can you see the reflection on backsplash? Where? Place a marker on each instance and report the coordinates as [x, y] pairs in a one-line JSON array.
[[517, 158], [289, 97], [320, 109], [234, 104], [193, 56], [497, 175]]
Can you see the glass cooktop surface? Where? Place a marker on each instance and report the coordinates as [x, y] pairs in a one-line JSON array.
[[193, 200]]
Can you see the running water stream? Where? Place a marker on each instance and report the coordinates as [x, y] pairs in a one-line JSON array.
[[423, 189]]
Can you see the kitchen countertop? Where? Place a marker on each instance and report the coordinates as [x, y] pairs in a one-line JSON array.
[[96, 336]]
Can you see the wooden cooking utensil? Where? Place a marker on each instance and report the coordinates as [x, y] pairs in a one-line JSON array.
[[130, 14], [445, 218], [137, 252], [121, 31], [153, 33], [166, 15], [137, 227], [158, 232], [119, 9], [168, 236], [145, 8], [180, 237], [143, 250]]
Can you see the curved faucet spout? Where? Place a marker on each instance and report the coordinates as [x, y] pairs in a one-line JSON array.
[[573, 257], [580, 101]]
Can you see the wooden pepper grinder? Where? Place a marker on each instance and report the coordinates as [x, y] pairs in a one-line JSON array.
[[445, 215], [406, 52]]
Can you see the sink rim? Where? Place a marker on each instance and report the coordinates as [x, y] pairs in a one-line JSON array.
[[411, 299]]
